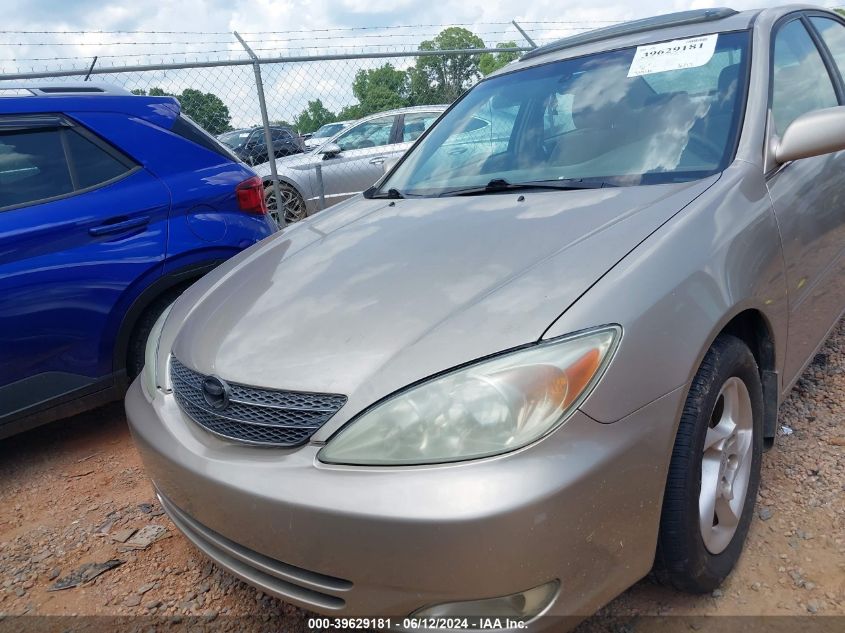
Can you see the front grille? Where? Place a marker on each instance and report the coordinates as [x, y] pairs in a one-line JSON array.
[[253, 415]]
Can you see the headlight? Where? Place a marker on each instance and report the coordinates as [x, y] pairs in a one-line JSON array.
[[492, 407], [150, 377]]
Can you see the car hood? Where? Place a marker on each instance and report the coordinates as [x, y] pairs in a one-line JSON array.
[[373, 295]]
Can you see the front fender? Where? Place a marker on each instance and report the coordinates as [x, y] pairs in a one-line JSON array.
[[677, 290]]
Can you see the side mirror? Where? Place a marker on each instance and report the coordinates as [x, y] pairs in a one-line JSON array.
[[330, 150], [813, 134], [389, 164]]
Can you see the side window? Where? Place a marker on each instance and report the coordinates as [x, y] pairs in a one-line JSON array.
[[833, 34], [280, 135], [416, 123], [800, 81], [92, 164], [45, 162], [32, 166], [374, 133]]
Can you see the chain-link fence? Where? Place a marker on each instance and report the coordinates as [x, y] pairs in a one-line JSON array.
[[332, 121]]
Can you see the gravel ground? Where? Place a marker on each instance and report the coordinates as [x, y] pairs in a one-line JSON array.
[[70, 492]]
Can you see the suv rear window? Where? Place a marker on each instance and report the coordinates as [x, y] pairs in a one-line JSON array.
[[185, 127], [92, 164]]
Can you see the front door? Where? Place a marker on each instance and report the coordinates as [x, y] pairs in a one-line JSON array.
[[364, 149], [807, 195]]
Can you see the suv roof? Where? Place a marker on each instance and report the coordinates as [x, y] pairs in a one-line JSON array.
[[65, 89], [41, 98]]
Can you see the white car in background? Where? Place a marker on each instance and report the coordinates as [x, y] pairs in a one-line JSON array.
[[325, 132]]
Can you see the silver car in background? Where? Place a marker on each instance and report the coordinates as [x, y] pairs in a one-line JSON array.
[[345, 164], [526, 368]]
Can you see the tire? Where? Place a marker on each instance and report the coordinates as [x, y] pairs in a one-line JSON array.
[[292, 202], [141, 332], [701, 532]]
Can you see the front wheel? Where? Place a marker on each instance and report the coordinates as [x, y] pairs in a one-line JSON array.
[[715, 471], [293, 206]]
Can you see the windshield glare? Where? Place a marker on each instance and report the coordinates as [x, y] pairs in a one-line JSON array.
[[586, 119], [328, 130], [235, 138]]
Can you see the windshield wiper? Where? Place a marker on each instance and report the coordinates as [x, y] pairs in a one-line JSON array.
[[390, 194], [500, 184]]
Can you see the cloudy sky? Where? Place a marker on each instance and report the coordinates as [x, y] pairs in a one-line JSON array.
[[219, 17], [38, 35]]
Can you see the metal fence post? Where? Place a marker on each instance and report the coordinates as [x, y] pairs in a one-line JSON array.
[[321, 188], [524, 34], [268, 136]]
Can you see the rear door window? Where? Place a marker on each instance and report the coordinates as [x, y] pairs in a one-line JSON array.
[[281, 135], [33, 166], [50, 160], [416, 123]]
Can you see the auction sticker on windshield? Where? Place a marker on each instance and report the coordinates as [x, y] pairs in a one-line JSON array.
[[675, 55]]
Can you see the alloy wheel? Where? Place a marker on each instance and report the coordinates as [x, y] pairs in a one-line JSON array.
[[292, 203], [726, 465]]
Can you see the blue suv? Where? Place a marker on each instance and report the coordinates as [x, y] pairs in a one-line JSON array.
[[111, 204]]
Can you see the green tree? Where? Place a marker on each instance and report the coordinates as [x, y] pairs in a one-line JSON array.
[[314, 116], [380, 89], [442, 78], [206, 108], [489, 62], [350, 113]]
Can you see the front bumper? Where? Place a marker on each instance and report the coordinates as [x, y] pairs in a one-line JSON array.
[[581, 506]]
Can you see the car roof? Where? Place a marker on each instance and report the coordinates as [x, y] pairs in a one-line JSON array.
[[668, 20], [422, 108], [649, 30]]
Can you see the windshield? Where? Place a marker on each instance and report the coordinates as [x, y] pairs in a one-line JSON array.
[[235, 138], [643, 115], [329, 129]]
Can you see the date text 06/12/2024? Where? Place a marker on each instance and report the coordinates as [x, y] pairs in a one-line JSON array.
[[411, 624]]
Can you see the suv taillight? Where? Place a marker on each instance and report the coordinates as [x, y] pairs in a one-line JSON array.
[[251, 196]]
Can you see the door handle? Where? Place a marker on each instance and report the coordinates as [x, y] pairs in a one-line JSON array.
[[119, 226], [378, 160]]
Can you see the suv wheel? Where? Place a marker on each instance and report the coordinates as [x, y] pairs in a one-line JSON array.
[[715, 471], [138, 342]]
